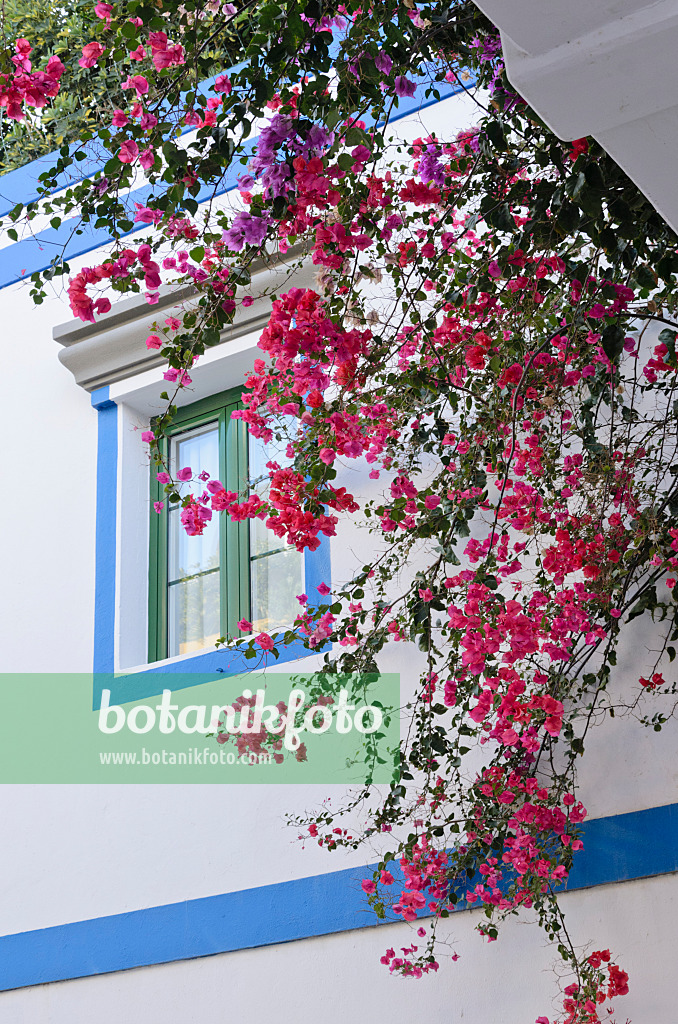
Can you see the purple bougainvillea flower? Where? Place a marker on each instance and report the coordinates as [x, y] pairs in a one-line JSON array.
[[383, 63], [404, 87], [246, 229]]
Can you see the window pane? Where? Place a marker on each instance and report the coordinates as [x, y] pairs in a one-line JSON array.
[[276, 570], [194, 614], [194, 610], [198, 449], [190, 555], [262, 540], [275, 582], [260, 454]]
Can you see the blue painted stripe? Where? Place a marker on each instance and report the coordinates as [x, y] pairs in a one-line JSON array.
[[106, 515], [619, 848], [39, 252], [626, 846], [21, 185], [72, 239]]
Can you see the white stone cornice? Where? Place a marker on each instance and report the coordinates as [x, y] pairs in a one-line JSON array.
[[114, 347]]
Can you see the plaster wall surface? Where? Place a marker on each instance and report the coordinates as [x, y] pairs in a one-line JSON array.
[[338, 977], [77, 852], [47, 515]]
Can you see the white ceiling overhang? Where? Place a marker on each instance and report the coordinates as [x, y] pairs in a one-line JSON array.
[[606, 69]]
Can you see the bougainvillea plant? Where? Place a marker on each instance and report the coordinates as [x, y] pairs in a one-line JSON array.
[[491, 337]]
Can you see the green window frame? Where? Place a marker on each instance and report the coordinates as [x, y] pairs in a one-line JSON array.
[[234, 538]]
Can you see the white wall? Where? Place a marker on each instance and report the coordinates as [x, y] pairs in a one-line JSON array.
[[75, 852], [47, 505], [338, 978]]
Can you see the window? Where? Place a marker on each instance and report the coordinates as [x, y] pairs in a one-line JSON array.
[[200, 587]]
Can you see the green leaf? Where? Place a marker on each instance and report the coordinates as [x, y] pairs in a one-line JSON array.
[[594, 176], [613, 341], [645, 277], [668, 337], [494, 131], [501, 219], [647, 602], [355, 137]]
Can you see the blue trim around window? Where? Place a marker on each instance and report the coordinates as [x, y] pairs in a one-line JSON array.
[[619, 848], [137, 685], [106, 504]]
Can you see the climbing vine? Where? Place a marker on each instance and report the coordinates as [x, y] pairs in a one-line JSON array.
[[491, 338]]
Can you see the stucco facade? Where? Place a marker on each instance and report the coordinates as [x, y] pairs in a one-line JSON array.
[[166, 878]]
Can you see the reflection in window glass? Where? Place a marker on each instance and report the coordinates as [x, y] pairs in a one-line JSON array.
[[276, 569], [194, 611]]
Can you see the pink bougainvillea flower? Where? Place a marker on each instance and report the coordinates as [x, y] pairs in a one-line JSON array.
[[144, 215], [138, 83], [579, 146], [475, 357], [194, 518], [265, 642], [128, 153], [323, 589], [90, 54], [245, 625], [147, 159], [383, 63], [223, 84], [185, 474], [104, 12]]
